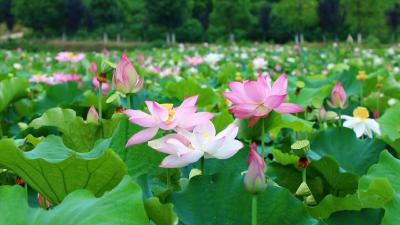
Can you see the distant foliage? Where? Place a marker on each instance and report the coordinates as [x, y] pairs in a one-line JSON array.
[[253, 20]]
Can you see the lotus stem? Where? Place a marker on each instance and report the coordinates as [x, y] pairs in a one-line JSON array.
[[304, 175], [128, 101], [254, 210], [100, 102], [202, 165], [262, 138]]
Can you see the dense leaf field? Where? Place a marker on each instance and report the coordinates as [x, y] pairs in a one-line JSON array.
[[198, 135]]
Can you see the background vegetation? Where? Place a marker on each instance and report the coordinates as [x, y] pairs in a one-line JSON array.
[[204, 20]]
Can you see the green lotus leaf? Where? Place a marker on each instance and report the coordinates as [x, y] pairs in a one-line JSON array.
[[140, 159], [54, 170], [189, 87], [390, 127], [273, 124], [12, 89], [77, 133], [121, 206], [221, 199], [161, 214], [388, 168], [324, 177], [308, 95], [353, 154], [362, 217], [375, 196]]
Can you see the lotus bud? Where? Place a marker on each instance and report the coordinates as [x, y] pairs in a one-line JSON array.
[[93, 68], [324, 116], [254, 179], [125, 79], [338, 97], [92, 116]]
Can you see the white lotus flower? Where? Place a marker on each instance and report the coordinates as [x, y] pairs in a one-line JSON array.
[[259, 63], [213, 58], [187, 147], [361, 124]]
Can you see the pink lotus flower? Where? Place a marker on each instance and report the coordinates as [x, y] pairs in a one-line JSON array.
[[254, 179], [125, 79], [69, 57], [92, 116], [278, 67], [62, 77], [194, 61], [104, 86], [141, 58], [338, 97], [256, 99], [41, 78], [187, 147], [166, 117]]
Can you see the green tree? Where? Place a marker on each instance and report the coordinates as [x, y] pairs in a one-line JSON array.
[[167, 14], [42, 16], [365, 16], [106, 16], [393, 20], [232, 15], [298, 14], [330, 17], [201, 11], [6, 15]]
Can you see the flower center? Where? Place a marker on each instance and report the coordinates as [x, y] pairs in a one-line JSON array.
[[262, 110], [71, 55], [362, 75], [171, 112], [361, 113]]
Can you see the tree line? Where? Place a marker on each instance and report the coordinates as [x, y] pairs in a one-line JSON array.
[[206, 20]]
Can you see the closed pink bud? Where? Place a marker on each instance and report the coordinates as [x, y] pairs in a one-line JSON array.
[[254, 179], [125, 79], [93, 68], [338, 97], [92, 116]]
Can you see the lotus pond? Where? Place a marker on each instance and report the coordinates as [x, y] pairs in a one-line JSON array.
[[201, 135]]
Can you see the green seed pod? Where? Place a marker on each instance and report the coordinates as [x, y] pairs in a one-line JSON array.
[[303, 190], [301, 148]]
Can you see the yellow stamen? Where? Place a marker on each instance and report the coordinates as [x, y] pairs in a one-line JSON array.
[[362, 75], [205, 134], [71, 55], [361, 113], [171, 112]]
